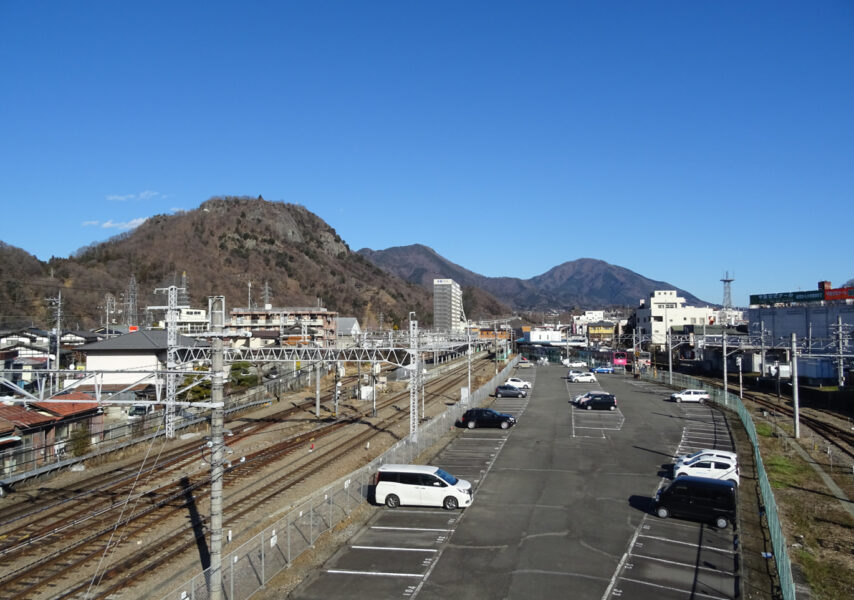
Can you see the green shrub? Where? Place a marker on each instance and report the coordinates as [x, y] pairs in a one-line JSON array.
[[80, 442]]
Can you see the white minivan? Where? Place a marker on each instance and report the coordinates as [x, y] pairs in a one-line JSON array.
[[421, 485]]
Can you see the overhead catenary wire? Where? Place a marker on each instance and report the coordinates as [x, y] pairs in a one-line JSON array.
[[95, 576]]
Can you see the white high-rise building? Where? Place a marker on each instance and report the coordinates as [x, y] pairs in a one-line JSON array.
[[448, 306]]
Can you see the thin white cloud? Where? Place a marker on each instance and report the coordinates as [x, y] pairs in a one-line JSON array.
[[126, 225], [91, 223], [175, 209], [146, 195]]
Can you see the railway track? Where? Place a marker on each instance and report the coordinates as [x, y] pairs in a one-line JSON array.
[[55, 548], [826, 425]]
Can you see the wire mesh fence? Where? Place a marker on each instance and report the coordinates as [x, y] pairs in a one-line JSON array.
[[249, 567], [732, 402]]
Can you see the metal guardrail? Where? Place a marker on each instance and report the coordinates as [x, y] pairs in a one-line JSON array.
[[252, 565], [734, 403]]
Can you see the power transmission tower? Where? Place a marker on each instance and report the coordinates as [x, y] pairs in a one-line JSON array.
[[267, 293], [131, 310], [184, 290], [727, 307], [109, 307], [171, 353]]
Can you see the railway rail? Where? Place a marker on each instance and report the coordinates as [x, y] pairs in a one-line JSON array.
[[54, 547], [825, 424]]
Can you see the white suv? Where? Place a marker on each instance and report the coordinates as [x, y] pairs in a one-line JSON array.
[[420, 485], [706, 454], [690, 396], [519, 383]]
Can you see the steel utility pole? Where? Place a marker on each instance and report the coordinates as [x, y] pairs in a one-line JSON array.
[[413, 376], [794, 375], [217, 306], [172, 351], [669, 348], [469, 354], [58, 303], [840, 370], [726, 375], [495, 339]]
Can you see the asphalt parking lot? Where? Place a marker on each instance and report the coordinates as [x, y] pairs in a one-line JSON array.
[[561, 509]]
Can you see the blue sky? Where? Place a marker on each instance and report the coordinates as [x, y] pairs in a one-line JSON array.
[[677, 139]]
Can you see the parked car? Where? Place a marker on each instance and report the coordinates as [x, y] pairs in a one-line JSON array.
[[583, 378], [516, 382], [508, 391], [602, 369], [572, 372], [574, 363], [421, 485], [698, 498], [690, 396], [581, 397], [599, 402], [485, 417], [706, 454], [711, 468]]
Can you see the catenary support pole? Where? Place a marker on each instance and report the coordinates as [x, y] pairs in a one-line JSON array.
[[726, 375], [318, 366], [217, 450], [794, 370]]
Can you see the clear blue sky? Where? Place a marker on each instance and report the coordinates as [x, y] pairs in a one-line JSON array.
[[677, 139]]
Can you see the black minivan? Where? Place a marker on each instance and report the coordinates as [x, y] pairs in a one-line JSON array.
[[699, 499]]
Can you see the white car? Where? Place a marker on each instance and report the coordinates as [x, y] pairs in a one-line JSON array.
[[420, 485], [573, 363], [690, 396], [583, 378], [706, 454], [519, 383], [572, 372], [712, 469]]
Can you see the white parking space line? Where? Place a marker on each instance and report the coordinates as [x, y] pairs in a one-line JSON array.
[[399, 511], [409, 528], [688, 593], [374, 573], [681, 543], [691, 566], [396, 549]]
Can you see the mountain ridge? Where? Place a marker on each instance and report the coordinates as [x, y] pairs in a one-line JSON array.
[[587, 282]]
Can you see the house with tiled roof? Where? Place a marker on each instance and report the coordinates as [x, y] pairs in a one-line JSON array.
[[26, 446], [129, 361], [37, 433]]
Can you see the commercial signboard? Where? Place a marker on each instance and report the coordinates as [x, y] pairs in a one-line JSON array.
[[839, 294], [809, 296], [783, 297]]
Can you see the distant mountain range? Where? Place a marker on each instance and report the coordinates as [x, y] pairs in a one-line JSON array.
[[583, 283], [253, 250]]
